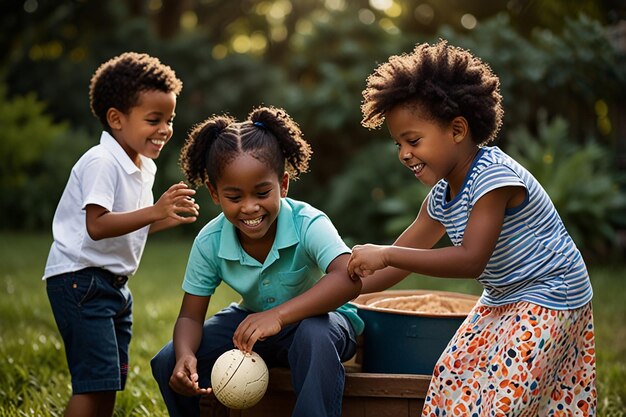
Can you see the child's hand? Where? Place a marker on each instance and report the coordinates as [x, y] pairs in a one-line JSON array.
[[177, 200], [184, 379], [365, 260], [257, 326]]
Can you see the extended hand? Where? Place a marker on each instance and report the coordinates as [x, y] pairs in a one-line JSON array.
[[176, 202], [366, 259], [184, 379], [257, 326]]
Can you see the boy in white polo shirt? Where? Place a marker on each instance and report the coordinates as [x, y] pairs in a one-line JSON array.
[[102, 222]]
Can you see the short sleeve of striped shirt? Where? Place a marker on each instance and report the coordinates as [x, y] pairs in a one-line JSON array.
[[431, 202], [493, 177]]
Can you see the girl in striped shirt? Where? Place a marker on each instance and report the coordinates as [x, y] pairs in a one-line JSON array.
[[527, 347]]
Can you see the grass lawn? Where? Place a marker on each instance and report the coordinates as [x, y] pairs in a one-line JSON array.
[[33, 376]]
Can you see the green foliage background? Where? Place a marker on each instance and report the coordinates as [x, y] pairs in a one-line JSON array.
[[558, 60]]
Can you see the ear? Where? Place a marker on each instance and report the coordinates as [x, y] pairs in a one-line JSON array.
[[460, 129], [114, 118], [214, 195], [284, 185]]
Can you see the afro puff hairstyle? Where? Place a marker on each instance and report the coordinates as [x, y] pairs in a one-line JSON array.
[[442, 80], [118, 82], [269, 134]]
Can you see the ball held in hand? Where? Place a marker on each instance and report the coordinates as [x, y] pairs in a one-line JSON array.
[[239, 380]]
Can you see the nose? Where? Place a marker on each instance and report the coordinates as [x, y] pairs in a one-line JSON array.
[[165, 130], [250, 206], [405, 155]]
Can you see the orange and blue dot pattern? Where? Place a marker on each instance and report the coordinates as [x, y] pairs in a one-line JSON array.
[[517, 360]]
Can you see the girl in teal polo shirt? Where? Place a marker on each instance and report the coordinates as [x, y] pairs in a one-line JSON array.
[[284, 257]]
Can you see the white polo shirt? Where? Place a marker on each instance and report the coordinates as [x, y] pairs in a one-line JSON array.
[[106, 176]]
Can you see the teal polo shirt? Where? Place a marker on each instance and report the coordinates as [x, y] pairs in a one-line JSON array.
[[306, 243]]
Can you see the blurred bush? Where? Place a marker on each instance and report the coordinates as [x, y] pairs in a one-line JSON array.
[[36, 157], [375, 198], [568, 69], [565, 73]]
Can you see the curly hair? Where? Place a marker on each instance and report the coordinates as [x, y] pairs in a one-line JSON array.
[[269, 134], [442, 80], [118, 82]]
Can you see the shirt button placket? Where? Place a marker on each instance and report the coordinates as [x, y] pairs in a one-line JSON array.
[[266, 287]]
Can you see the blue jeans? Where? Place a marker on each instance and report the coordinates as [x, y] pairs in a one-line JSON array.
[[313, 348], [93, 311]]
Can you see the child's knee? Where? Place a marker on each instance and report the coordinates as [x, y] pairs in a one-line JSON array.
[[314, 330], [163, 363]]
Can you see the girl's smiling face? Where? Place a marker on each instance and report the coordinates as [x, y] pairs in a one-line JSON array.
[[430, 149], [249, 193]]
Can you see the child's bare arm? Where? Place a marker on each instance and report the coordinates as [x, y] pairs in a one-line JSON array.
[[102, 223], [423, 233], [467, 260], [187, 337], [331, 291]]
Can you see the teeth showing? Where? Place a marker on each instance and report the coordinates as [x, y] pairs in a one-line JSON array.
[[252, 222], [158, 142], [417, 168]]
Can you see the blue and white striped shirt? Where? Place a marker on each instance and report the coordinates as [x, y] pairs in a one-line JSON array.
[[535, 259]]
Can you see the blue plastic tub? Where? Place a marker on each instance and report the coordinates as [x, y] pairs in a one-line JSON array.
[[405, 342]]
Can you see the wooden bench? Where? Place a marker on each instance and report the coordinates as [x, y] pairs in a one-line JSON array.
[[365, 395]]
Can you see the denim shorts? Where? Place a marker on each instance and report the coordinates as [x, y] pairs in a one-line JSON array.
[[93, 311]]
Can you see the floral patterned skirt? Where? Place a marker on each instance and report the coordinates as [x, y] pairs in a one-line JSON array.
[[518, 360]]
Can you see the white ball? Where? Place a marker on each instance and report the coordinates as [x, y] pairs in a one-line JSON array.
[[239, 380]]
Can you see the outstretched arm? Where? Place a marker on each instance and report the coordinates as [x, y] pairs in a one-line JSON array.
[[331, 291], [166, 212], [423, 233], [465, 261]]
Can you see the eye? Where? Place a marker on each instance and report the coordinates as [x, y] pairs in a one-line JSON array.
[[263, 194], [413, 142], [233, 198], [153, 121]]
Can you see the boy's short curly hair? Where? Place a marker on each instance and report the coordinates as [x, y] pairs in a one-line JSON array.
[[118, 82], [442, 80]]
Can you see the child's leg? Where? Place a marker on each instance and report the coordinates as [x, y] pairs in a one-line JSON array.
[[216, 339], [94, 316], [97, 404], [319, 346]]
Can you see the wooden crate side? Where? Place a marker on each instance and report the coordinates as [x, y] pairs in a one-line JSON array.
[[386, 385], [365, 395]]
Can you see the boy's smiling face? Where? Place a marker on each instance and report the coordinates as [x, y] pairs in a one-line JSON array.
[[147, 127]]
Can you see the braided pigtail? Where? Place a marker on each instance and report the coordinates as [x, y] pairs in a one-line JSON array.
[[194, 156], [295, 151]]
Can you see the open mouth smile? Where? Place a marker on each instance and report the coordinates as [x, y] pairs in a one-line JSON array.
[[252, 222], [417, 168], [158, 142]]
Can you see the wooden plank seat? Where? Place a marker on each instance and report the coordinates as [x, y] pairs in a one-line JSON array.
[[365, 395]]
